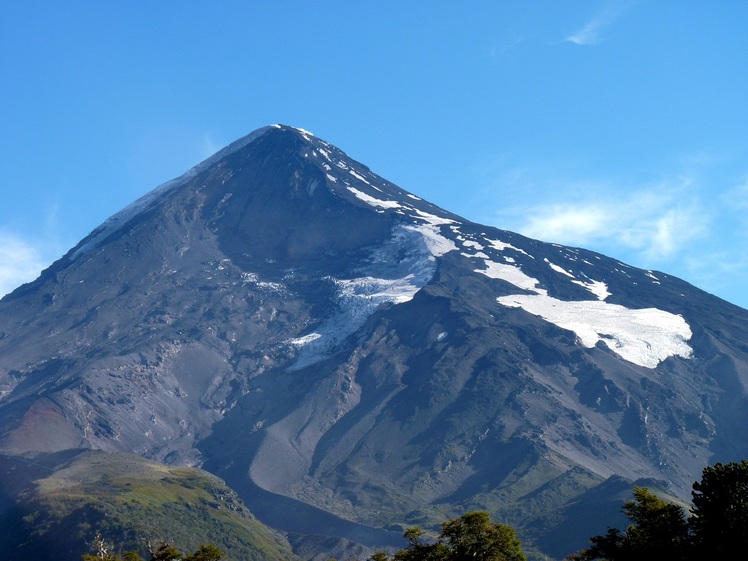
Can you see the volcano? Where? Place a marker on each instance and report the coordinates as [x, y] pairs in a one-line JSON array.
[[353, 360]]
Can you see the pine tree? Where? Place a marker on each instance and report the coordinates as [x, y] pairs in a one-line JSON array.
[[719, 524]]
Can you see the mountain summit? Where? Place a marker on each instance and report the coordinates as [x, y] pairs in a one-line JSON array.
[[352, 359]]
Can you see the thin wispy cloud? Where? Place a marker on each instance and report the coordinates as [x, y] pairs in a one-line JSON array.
[[656, 227], [209, 147], [737, 196], [591, 32], [508, 45], [20, 262], [646, 223], [689, 223]]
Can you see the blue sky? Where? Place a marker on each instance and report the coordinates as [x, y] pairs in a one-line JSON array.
[[620, 127]]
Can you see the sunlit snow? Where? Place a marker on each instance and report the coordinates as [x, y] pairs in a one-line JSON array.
[[437, 244], [501, 246], [396, 271], [644, 336], [598, 288], [559, 269], [306, 134], [372, 200], [511, 274], [359, 176], [651, 276], [433, 218]]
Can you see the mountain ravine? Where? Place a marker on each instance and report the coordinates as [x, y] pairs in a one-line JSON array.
[[353, 360]]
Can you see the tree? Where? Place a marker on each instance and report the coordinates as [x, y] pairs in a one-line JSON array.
[[659, 527], [418, 549], [471, 537], [378, 556], [719, 524], [205, 552], [103, 552], [659, 530], [164, 552], [610, 547]]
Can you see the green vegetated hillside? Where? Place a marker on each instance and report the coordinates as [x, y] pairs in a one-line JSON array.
[[52, 506]]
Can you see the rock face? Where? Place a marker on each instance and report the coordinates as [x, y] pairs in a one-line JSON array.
[[356, 359]]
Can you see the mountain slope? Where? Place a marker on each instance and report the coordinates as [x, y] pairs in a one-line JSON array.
[[56, 503], [355, 359]]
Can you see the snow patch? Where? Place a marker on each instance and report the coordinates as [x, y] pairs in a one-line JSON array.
[[437, 244], [559, 269], [644, 336], [432, 218], [598, 288], [301, 341], [479, 255], [474, 245], [501, 246], [358, 176], [396, 271], [305, 133], [373, 201], [357, 299], [641, 336], [510, 274]]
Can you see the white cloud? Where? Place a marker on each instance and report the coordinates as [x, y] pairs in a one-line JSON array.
[[689, 222], [657, 231], [589, 34], [737, 196], [209, 147], [21, 261], [654, 222], [670, 232], [565, 223]]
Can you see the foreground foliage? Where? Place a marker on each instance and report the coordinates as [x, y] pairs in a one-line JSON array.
[[471, 536], [717, 526], [127, 500], [136, 501], [164, 552]]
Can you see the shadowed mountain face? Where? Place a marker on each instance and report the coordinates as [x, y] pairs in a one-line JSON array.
[[355, 360]]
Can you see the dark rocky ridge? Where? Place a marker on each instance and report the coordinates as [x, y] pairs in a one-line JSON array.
[[333, 348]]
